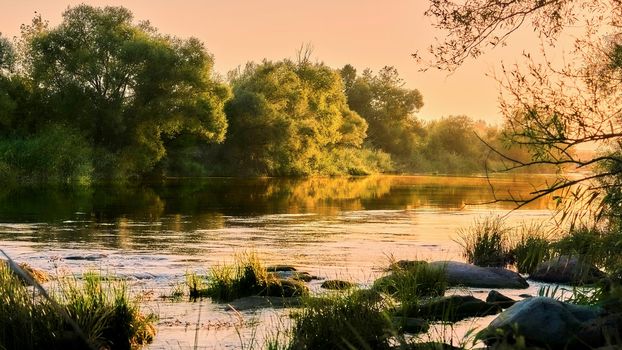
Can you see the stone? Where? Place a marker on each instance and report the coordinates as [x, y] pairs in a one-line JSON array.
[[566, 270], [296, 275], [467, 275], [411, 325], [280, 268], [453, 308], [284, 288], [36, 275], [541, 321], [337, 285], [261, 302], [497, 298], [89, 257]]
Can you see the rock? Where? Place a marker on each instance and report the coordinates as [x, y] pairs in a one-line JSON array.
[[411, 325], [467, 275], [337, 285], [261, 302], [602, 331], [497, 298], [296, 275], [405, 264], [453, 308], [37, 275], [541, 321], [284, 288], [566, 270], [525, 296], [280, 268], [90, 257]]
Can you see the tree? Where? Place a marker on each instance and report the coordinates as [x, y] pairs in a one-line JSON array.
[[288, 118], [125, 86], [387, 107], [550, 109]]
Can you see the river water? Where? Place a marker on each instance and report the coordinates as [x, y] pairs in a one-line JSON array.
[[341, 227]]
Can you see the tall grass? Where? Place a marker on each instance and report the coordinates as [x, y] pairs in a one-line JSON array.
[[485, 243], [408, 284], [246, 276], [531, 247], [101, 308]]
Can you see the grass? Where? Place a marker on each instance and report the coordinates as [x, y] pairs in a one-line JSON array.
[[485, 243], [246, 276], [408, 283], [354, 320], [531, 248], [101, 308]]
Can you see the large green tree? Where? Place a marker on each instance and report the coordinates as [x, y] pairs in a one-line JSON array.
[[388, 107], [289, 118], [125, 86]]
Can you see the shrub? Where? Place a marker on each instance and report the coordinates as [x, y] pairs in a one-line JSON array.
[[485, 243]]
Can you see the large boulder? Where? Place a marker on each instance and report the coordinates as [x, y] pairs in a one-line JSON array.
[[452, 308], [467, 275], [543, 322], [566, 270]]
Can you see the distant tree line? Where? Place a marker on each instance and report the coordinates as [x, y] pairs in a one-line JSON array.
[[102, 98]]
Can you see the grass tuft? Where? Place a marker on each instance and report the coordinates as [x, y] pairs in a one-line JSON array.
[[485, 243]]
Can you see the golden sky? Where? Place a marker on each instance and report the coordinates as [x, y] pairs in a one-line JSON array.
[[364, 33]]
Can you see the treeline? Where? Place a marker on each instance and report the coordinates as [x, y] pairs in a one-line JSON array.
[[101, 98]]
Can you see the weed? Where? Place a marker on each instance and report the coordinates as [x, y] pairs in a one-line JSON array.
[[485, 242]]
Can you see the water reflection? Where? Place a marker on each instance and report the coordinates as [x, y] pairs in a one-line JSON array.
[[183, 212]]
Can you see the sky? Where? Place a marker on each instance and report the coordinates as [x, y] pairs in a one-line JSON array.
[[364, 33]]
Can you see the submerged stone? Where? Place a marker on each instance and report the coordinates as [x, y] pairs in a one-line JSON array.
[[467, 275], [566, 270], [453, 308], [337, 285], [497, 298]]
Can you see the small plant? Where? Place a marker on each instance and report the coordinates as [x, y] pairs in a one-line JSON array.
[[408, 283], [531, 248], [101, 308], [245, 277], [354, 320], [485, 243]]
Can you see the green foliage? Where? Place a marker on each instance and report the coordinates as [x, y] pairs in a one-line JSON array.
[[599, 246], [125, 86], [408, 284], [387, 107], [101, 308], [485, 243], [286, 118], [531, 248], [354, 320], [56, 155]]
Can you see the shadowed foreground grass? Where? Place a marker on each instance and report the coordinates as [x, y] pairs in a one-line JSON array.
[[101, 308]]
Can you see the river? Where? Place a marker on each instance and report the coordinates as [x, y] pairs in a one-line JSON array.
[[344, 227]]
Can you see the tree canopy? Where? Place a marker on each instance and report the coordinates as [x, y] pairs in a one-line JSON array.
[[287, 118], [123, 85]]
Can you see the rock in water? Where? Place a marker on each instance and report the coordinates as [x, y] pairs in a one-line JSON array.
[[497, 298], [467, 275], [337, 285], [566, 270], [453, 308], [541, 321]]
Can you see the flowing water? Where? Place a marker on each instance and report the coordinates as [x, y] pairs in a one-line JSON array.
[[331, 227]]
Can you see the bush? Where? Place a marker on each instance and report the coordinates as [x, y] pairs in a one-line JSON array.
[[55, 155], [485, 243]]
